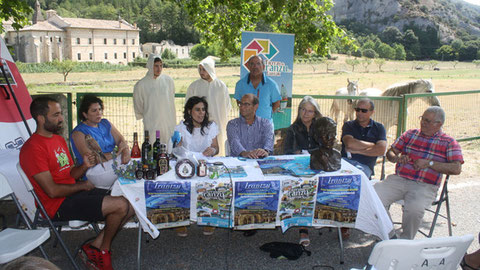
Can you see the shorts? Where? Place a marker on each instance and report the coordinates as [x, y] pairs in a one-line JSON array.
[[83, 205]]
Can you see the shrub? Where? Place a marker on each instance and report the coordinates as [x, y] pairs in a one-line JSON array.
[[369, 53], [167, 54]]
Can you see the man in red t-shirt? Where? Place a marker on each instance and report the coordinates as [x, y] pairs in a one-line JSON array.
[[47, 163], [421, 157]]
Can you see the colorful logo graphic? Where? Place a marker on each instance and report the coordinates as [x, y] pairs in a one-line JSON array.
[[262, 47]]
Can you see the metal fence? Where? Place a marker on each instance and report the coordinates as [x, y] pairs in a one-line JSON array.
[[396, 113]]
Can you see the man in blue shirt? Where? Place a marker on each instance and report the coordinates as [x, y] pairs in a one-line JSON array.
[[250, 136], [260, 85], [363, 138]]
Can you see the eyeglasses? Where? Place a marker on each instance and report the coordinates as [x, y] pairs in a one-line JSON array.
[[361, 110], [305, 111], [246, 104], [427, 121]]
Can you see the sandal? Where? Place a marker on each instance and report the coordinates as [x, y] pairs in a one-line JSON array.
[[181, 231], [466, 266], [304, 240], [208, 230]]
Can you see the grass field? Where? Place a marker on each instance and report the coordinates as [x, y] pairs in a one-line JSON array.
[[309, 79]]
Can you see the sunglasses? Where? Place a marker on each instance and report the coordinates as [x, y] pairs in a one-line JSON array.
[[361, 110]]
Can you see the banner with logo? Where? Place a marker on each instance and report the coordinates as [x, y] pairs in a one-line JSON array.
[[276, 50], [14, 133], [214, 203]]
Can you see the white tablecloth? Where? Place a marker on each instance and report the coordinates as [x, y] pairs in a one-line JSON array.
[[371, 217]]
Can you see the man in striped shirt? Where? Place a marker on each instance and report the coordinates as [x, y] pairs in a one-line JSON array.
[[422, 156], [249, 135]]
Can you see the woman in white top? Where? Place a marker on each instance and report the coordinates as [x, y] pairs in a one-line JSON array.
[[198, 133]]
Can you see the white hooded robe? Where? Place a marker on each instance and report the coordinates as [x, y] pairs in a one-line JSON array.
[[218, 100], [154, 102]]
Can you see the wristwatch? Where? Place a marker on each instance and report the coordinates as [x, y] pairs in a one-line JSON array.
[[430, 163]]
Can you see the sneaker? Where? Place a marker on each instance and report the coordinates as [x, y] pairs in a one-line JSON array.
[[104, 261], [95, 259], [89, 255]]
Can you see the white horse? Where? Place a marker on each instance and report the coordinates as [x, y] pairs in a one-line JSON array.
[[386, 112], [344, 105]]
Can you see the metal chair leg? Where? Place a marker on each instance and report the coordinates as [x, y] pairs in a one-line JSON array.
[[340, 241], [139, 248]]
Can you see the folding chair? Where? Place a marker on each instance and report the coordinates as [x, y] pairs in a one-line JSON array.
[[428, 253], [441, 198], [15, 243], [44, 220]]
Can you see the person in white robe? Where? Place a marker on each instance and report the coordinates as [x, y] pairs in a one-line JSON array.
[[216, 93], [154, 101]]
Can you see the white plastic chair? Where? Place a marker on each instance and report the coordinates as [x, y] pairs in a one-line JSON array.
[[15, 243], [443, 253], [227, 148]]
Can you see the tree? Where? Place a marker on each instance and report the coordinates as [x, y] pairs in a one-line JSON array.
[[445, 53], [468, 52], [168, 54], [432, 64], [399, 52], [385, 51], [225, 20], [391, 35], [369, 53], [328, 63], [64, 67], [476, 63], [366, 62], [17, 10], [380, 62], [412, 46], [456, 44], [352, 62], [455, 63]]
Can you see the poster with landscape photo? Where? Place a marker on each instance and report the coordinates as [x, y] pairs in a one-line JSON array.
[[255, 204], [214, 203], [337, 200], [168, 203], [297, 202]]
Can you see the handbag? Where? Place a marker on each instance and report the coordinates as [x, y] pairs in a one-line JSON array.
[[281, 250]]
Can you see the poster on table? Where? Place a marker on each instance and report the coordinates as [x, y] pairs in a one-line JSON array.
[[255, 204], [214, 203], [297, 203], [168, 203], [276, 49], [273, 167], [337, 200]]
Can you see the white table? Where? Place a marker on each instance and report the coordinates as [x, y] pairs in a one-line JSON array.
[[371, 216]]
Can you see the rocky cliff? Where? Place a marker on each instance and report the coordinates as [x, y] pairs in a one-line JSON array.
[[447, 16]]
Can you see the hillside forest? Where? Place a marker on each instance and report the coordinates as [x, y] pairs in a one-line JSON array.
[[167, 20]]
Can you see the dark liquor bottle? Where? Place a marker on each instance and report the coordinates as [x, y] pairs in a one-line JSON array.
[[146, 148], [163, 164], [135, 149], [156, 147]]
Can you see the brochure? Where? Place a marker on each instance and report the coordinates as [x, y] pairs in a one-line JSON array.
[[168, 203], [214, 203], [297, 203], [256, 204], [338, 198], [273, 167], [300, 166]]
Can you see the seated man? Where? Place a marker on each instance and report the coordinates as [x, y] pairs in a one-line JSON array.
[[364, 138], [46, 160], [250, 136], [422, 156]]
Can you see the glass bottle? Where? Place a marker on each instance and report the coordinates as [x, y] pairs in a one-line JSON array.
[[156, 147], [163, 162], [135, 149], [146, 148]]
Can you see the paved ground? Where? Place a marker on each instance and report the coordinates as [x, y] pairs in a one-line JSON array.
[[231, 250]]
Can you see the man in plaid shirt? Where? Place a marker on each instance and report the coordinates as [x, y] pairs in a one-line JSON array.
[[422, 156]]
